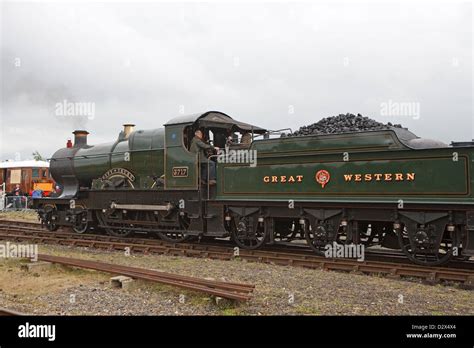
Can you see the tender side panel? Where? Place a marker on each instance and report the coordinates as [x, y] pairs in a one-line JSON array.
[[433, 176]]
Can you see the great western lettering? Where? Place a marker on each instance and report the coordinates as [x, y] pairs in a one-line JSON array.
[[282, 179], [379, 177], [323, 177]]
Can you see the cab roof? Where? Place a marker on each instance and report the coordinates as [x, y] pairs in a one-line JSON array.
[[215, 119]]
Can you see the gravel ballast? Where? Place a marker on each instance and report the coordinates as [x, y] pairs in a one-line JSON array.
[[279, 290]]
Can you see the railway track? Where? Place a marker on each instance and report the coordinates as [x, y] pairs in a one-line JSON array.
[[8, 313], [383, 255], [217, 245], [233, 291], [31, 232]]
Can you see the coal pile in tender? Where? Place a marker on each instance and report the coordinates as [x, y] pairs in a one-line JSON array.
[[343, 123]]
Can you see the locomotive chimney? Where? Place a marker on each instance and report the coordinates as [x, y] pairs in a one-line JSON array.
[[127, 129], [80, 138]]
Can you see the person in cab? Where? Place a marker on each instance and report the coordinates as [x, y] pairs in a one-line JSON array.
[[246, 138], [201, 148]]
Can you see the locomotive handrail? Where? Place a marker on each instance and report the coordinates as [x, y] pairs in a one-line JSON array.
[[274, 132], [102, 154], [279, 130], [208, 186]]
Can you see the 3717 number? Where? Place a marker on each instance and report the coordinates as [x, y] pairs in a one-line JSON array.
[[179, 172]]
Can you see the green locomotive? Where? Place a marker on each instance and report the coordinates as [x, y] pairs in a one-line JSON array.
[[386, 187]]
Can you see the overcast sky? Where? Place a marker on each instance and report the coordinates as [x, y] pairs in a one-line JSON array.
[[275, 65]]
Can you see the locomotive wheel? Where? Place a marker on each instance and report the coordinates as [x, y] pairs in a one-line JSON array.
[[50, 224], [178, 236], [414, 242], [173, 237], [115, 231], [247, 235], [81, 226]]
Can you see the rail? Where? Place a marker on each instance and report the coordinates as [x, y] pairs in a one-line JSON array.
[[8, 313], [301, 259], [233, 291]]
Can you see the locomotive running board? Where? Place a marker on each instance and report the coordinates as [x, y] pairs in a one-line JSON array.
[[149, 207]]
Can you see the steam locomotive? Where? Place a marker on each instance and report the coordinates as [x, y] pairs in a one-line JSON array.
[[385, 188]]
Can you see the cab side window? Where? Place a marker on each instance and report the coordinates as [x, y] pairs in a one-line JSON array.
[[188, 134], [220, 139]]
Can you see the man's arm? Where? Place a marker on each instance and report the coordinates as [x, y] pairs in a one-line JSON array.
[[203, 145]]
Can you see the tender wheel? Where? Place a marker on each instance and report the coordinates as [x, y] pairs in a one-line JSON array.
[[428, 245], [320, 234], [248, 233]]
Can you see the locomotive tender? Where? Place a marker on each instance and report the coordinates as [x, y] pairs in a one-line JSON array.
[[384, 187]]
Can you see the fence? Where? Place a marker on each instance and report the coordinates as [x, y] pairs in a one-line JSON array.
[[2, 196], [14, 202]]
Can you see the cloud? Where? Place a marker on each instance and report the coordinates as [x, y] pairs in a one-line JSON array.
[[143, 62]]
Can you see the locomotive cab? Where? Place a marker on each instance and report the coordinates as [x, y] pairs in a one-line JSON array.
[[182, 166]]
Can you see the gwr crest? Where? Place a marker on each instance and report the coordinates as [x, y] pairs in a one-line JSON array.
[[322, 177]]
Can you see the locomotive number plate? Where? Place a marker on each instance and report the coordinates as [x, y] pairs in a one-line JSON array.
[[180, 172]]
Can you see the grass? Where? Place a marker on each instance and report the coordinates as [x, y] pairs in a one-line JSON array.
[[230, 311], [304, 310], [15, 281], [23, 215]]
